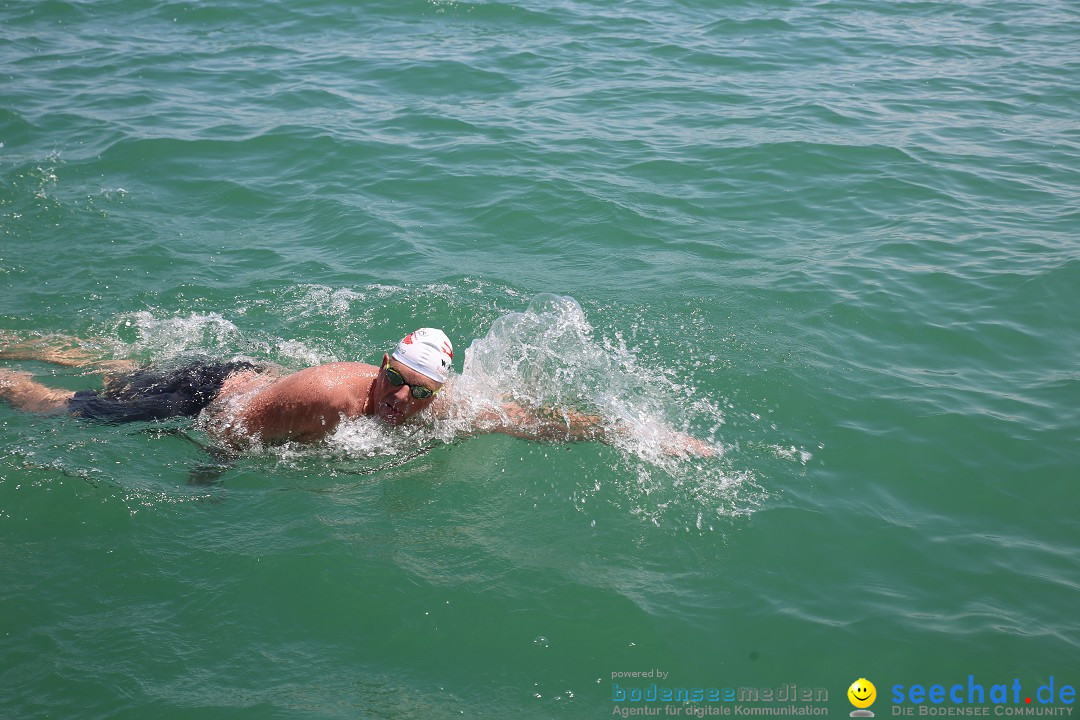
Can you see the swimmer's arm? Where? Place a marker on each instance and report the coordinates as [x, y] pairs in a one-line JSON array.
[[564, 424], [548, 423], [514, 419], [568, 425]]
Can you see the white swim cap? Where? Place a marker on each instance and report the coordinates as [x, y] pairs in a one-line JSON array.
[[427, 351]]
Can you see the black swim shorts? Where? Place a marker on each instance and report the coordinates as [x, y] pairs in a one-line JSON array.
[[150, 394]]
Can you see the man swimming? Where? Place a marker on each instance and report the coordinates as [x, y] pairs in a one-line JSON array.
[[243, 402]]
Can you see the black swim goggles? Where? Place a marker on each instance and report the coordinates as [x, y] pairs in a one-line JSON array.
[[417, 391]]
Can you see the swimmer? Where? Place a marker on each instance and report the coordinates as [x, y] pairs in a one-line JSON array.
[[243, 402]]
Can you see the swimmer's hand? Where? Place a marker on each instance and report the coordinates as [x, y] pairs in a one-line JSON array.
[[683, 445], [567, 424]]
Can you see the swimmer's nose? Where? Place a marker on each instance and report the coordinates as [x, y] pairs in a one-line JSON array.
[[401, 394]]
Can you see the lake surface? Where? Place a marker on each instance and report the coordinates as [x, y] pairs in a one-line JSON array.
[[836, 239]]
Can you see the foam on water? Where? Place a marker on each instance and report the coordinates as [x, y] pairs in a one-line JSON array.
[[548, 357], [165, 338], [144, 336]]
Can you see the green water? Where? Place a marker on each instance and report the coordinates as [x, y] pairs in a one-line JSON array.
[[837, 239]]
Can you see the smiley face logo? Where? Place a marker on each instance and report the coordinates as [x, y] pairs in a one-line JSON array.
[[862, 693]]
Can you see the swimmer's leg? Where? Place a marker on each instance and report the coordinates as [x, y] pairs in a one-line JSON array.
[[63, 350], [24, 393], [56, 349]]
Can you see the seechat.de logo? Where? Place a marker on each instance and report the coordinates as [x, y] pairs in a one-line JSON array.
[[862, 695]]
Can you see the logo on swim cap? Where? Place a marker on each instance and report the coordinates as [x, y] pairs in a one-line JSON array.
[[427, 351]]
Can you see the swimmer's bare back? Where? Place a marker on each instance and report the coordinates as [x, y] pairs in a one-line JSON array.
[[303, 406]]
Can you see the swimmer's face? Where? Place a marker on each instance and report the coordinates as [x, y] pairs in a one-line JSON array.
[[395, 405]]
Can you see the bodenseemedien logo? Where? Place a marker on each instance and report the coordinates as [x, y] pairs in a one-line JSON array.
[[862, 695]]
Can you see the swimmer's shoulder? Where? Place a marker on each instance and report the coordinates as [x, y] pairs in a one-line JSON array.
[[331, 387], [241, 382], [335, 373], [348, 368]]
